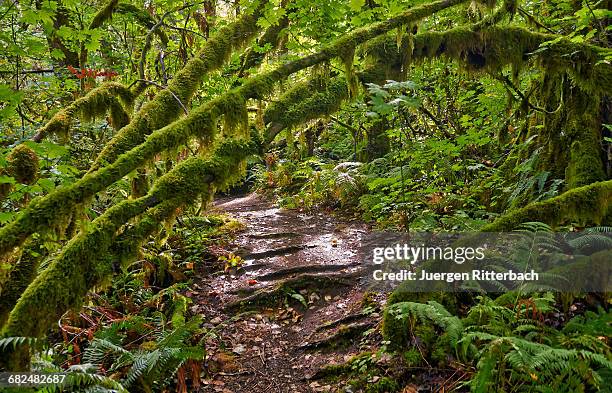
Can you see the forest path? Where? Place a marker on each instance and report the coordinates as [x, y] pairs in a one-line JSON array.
[[295, 306]]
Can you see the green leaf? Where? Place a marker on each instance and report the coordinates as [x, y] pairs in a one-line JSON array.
[[57, 54], [46, 184], [6, 217], [356, 5], [300, 299], [7, 180]]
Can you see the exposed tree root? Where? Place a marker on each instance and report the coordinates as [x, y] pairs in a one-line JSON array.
[[344, 335], [341, 321], [334, 370], [274, 235], [304, 269], [263, 297], [277, 251]]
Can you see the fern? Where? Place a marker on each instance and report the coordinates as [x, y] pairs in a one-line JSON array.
[[436, 313], [15, 342]]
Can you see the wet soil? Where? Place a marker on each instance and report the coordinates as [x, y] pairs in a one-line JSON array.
[[295, 304]]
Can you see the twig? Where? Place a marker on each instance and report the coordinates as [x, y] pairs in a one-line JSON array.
[[162, 87], [532, 19]]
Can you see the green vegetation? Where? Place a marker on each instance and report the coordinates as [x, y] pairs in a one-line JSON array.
[[119, 122]]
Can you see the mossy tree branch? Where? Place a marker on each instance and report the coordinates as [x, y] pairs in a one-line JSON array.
[[44, 212], [495, 47], [93, 104], [164, 108], [85, 262], [584, 205]]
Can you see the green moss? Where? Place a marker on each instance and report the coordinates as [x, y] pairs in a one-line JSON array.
[[140, 183], [44, 212], [235, 118], [583, 205], [412, 358], [85, 262], [585, 165], [312, 99], [384, 385], [103, 14], [493, 47], [21, 275], [23, 164], [442, 350], [396, 326], [164, 108], [300, 91], [111, 96]]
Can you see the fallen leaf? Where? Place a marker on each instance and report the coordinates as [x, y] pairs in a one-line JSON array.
[[239, 349]]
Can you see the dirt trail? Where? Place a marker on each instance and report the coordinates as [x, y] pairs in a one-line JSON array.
[[267, 340]]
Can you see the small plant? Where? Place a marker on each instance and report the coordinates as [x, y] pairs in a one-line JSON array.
[[232, 262]]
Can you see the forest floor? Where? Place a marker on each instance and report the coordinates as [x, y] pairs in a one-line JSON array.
[[294, 306]]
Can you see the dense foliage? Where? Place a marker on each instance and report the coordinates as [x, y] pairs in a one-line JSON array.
[[119, 121]]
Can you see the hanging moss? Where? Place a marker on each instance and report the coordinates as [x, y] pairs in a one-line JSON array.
[[583, 205], [21, 275], [23, 164], [79, 267], [310, 100], [494, 47], [165, 108], [348, 57], [489, 49], [127, 245], [43, 213], [140, 183], [236, 117], [110, 96], [300, 91]]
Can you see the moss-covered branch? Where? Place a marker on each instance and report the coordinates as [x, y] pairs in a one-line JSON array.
[[165, 107], [44, 213], [477, 47], [272, 37], [85, 261], [93, 104], [21, 275], [494, 47], [584, 205], [316, 97]]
